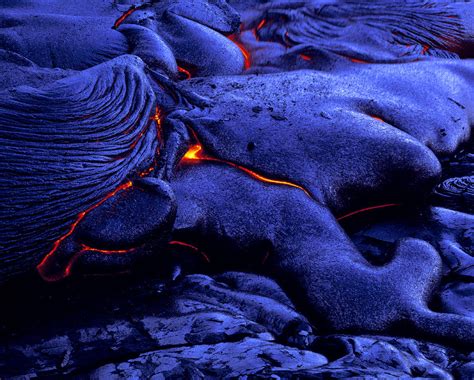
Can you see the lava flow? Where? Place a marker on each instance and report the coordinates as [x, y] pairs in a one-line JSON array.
[[355, 60], [196, 153], [261, 24], [366, 209], [107, 251], [186, 73], [377, 118], [127, 13], [48, 260], [245, 53], [191, 247]]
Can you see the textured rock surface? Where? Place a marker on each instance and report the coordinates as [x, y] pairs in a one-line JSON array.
[[274, 165], [236, 324], [326, 35]]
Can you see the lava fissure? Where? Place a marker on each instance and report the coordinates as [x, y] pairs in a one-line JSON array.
[[127, 13], [85, 247], [245, 53], [367, 209], [192, 247], [186, 73], [196, 153], [41, 267]]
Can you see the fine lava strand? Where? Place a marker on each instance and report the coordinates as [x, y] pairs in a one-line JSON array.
[[197, 153], [49, 260]]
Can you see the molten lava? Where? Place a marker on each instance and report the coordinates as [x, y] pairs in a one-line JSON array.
[[245, 53], [261, 24], [366, 209], [127, 13], [107, 251], [185, 72], [159, 127], [355, 60], [377, 118], [49, 258], [191, 247], [196, 153]]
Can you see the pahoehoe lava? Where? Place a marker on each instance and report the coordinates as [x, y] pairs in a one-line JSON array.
[[324, 144]]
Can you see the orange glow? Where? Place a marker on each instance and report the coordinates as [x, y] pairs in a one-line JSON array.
[[107, 251], [261, 24], [49, 258], [196, 153], [146, 172], [305, 57], [377, 118], [157, 118], [139, 137], [368, 209], [425, 49], [124, 16], [355, 60], [190, 246], [67, 270], [185, 72], [245, 53]]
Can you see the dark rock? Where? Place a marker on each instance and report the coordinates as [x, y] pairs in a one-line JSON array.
[[195, 314]]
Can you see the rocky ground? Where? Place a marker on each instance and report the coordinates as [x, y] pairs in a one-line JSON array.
[[229, 325]]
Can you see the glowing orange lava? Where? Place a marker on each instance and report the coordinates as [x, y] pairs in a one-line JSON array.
[[127, 13], [245, 53], [185, 72], [190, 246], [196, 153], [47, 260], [305, 57], [355, 60], [157, 118], [368, 209], [107, 251], [377, 118], [147, 172], [261, 24]]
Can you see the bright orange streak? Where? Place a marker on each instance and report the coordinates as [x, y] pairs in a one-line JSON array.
[[305, 57], [72, 261], [425, 49], [123, 17], [66, 272], [145, 173], [106, 251], [157, 118], [196, 153], [261, 24], [41, 267], [193, 153], [245, 53], [185, 72], [355, 60], [377, 118], [190, 246], [367, 209]]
